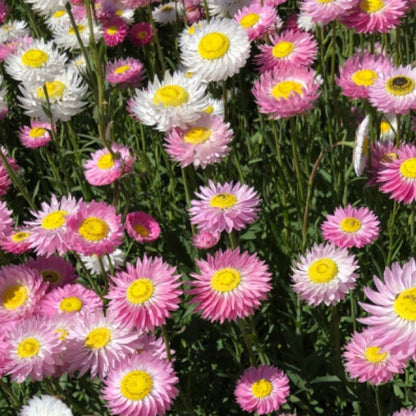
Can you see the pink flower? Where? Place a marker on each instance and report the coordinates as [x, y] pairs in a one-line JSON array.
[[4, 10], [205, 239], [142, 227], [5, 180], [36, 135], [128, 72], [323, 12], [140, 34], [256, 19], [6, 220], [17, 241], [381, 153], [115, 30]]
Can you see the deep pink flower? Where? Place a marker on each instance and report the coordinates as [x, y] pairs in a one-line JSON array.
[[142, 227]]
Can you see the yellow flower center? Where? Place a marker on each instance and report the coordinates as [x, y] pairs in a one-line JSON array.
[[283, 49], [94, 229], [364, 77], [223, 201], [209, 109], [112, 30], [141, 34], [197, 135], [166, 8], [122, 69], [36, 132], [140, 291], [14, 297], [388, 157], [371, 6], [34, 58], [55, 90], [62, 332], [350, 225], [322, 271], [225, 280], [324, 1], [261, 388], [373, 355], [71, 304], [28, 348], [54, 220], [384, 127], [105, 162], [249, 20], [141, 230], [400, 85], [136, 385], [405, 304], [51, 276], [408, 168], [80, 28], [285, 89], [171, 95], [98, 338], [213, 46], [20, 236], [59, 14]]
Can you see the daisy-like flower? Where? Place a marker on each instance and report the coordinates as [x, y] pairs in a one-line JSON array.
[[97, 344], [325, 11], [388, 127], [13, 29], [94, 229], [117, 258], [168, 12], [48, 229], [5, 180], [176, 101], [142, 227], [351, 227], [114, 30], [397, 175], [224, 207], [127, 72], [262, 389], [21, 289], [217, 50], [381, 153], [324, 275], [375, 16], [395, 91], [215, 107], [16, 242], [205, 240], [202, 143], [54, 270], [69, 299], [286, 93], [368, 360], [65, 95], [305, 22], [393, 308], [140, 34], [256, 19], [226, 8], [103, 168], [44, 406], [230, 285], [141, 385], [362, 140], [405, 412], [156, 346], [58, 18], [360, 72], [32, 349], [6, 221], [145, 294], [35, 63], [289, 49], [47, 7], [36, 135]]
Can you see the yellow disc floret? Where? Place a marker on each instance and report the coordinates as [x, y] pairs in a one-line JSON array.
[[373, 355], [405, 304], [14, 297], [140, 291], [197, 135], [94, 229], [350, 225], [249, 20], [285, 89], [171, 96], [283, 49], [408, 168], [225, 280], [35, 58], [214, 45], [322, 271], [136, 385], [71, 304], [54, 220], [223, 201], [262, 388], [364, 77], [28, 348], [98, 338], [400, 85]]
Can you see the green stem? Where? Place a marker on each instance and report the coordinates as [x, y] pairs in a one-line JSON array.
[[233, 240], [156, 41], [103, 273], [247, 342], [166, 341], [378, 402], [391, 227]]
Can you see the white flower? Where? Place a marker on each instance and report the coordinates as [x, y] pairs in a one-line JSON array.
[[217, 50], [78, 63], [47, 7], [59, 18], [388, 127], [226, 8], [45, 406], [360, 154], [168, 12], [117, 258], [13, 29]]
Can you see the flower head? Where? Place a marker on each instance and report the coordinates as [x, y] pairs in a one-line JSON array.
[[45, 405], [142, 227], [36, 135], [128, 72]]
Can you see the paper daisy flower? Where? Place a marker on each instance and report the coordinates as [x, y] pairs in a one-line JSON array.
[[388, 127], [226, 8], [16, 242], [368, 360], [230, 285], [65, 94], [78, 64], [48, 229], [5, 180], [256, 20], [289, 49], [395, 91], [202, 143], [32, 350], [381, 153], [128, 72], [36, 135], [393, 308], [69, 299], [103, 168], [405, 412], [323, 12], [21, 289], [397, 175], [12, 30], [168, 12], [97, 344], [45, 405], [216, 51], [325, 274], [262, 389], [94, 229], [140, 34], [155, 346], [375, 16], [224, 207], [47, 7], [58, 18], [6, 221], [145, 295], [141, 385], [286, 93], [114, 30], [205, 240], [360, 72], [35, 63], [361, 144], [351, 227], [117, 258], [142, 227], [174, 102], [54, 270]]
